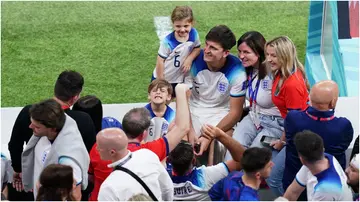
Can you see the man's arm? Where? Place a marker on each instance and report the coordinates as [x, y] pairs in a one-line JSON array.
[[293, 191], [182, 119], [160, 67], [234, 115], [235, 148], [190, 58], [21, 133]]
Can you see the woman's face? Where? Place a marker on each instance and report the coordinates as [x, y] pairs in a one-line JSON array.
[[272, 59], [247, 56]]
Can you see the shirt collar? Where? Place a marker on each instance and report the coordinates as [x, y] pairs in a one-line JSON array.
[[320, 114], [114, 164]]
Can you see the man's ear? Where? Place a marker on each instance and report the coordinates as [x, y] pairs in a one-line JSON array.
[[257, 175], [226, 53]]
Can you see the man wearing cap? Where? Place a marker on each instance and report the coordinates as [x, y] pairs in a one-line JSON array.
[[352, 173], [337, 133]]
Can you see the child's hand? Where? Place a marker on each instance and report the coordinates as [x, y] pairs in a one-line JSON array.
[[186, 65]]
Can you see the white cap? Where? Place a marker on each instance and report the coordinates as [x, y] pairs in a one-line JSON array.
[[355, 161]]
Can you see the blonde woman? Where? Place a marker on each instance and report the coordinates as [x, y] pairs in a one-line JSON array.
[[289, 92]]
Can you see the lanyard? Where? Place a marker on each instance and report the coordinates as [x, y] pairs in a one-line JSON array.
[[65, 107], [124, 161], [253, 94], [319, 118]]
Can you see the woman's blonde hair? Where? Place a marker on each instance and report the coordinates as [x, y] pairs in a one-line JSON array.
[[287, 59], [140, 197]]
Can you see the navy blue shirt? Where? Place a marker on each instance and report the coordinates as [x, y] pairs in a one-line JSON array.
[[232, 188], [336, 132]]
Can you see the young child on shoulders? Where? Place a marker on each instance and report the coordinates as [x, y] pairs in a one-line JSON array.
[[178, 49]]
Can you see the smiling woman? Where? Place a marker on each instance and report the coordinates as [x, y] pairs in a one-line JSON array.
[[264, 118]]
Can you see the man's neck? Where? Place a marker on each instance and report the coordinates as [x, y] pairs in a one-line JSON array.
[[251, 182], [320, 107], [319, 166], [135, 140], [62, 103], [120, 155], [158, 109], [52, 137], [216, 66]]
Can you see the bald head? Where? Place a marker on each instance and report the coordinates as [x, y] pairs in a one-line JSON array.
[[111, 141], [324, 95]]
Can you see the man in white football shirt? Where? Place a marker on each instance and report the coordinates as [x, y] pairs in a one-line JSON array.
[[321, 174], [218, 85]]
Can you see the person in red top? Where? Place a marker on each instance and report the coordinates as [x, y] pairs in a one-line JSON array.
[[135, 124], [290, 87], [289, 92]]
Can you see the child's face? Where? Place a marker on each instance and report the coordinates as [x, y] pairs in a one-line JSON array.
[[182, 27], [159, 95]]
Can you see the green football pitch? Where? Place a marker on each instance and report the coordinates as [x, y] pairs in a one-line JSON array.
[[114, 44]]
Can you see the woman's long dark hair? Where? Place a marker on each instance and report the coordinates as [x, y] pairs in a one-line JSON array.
[[56, 183], [256, 41], [91, 105]]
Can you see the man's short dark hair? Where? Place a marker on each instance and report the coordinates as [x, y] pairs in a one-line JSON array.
[[135, 122], [309, 145], [223, 35], [49, 113], [68, 84], [181, 158], [255, 159]]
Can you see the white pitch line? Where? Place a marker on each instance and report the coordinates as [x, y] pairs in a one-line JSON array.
[[163, 26]]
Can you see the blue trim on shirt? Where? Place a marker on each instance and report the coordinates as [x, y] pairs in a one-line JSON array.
[[163, 57], [136, 143], [227, 168], [167, 145], [241, 95], [301, 184]]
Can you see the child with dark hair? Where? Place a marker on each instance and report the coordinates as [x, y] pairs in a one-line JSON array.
[[244, 185], [56, 183]]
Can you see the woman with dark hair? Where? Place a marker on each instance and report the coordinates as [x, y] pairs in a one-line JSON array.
[[264, 118], [56, 183], [91, 105]]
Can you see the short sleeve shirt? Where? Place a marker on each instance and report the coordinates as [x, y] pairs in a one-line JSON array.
[[293, 94], [174, 53], [328, 185], [195, 185], [213, 89]]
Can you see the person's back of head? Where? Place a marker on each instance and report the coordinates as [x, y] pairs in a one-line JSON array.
[[56, 183], [68, 86], [112, 144], [256, 162], [91, 105], [182, 158], [48, 113], [309, 146], [140, 197], [135, 122], [223, 35], [110, 122], [324, 95]]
